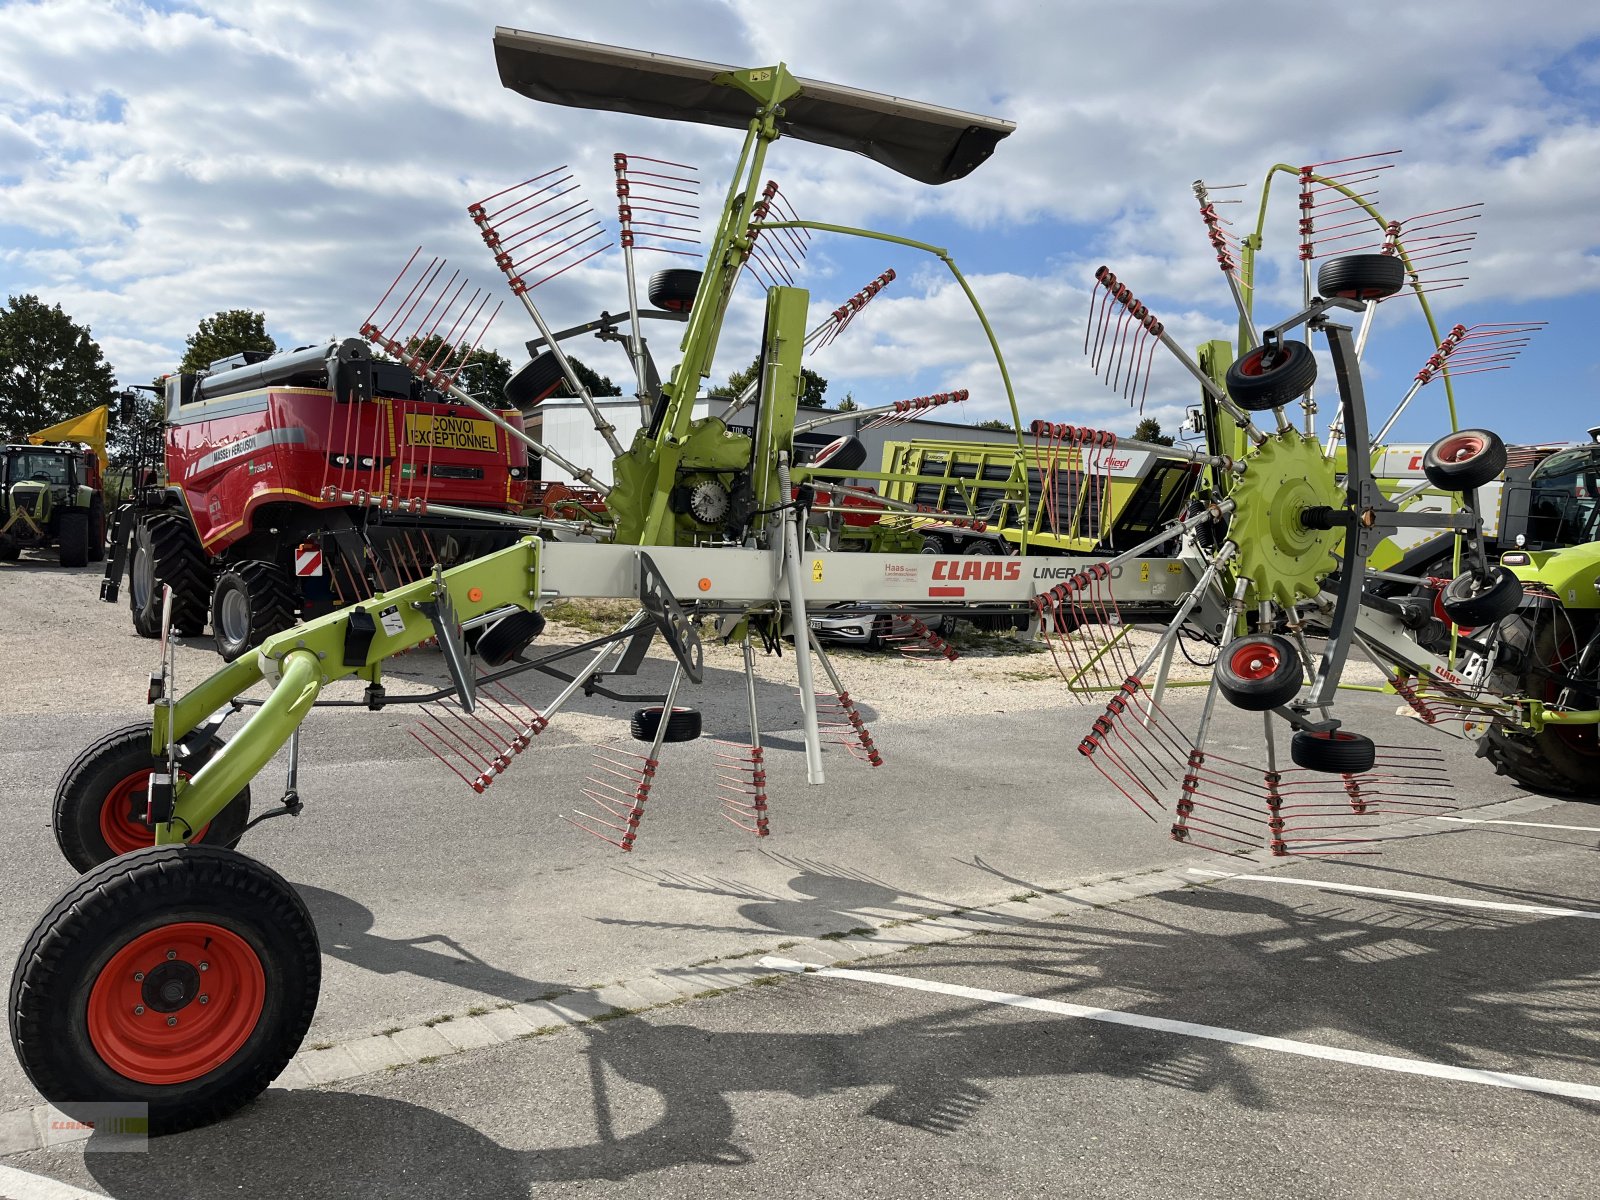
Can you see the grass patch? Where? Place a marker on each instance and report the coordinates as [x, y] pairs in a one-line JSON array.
[[432, 1021], [766, 980], [1025, 896], [611, 1015], [477, 1010], [542, 1031], [591, 616], [432, 1058], [858, 931], [391, 1031], [322, 1045]]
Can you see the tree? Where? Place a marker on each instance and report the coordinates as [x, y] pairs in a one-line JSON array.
[[223, 335], [1149, 430], [598, 385], [50, 368], [484, 375], [848, 404], [996, 423], [812, 385]]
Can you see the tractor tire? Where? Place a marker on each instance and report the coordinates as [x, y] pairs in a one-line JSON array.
[[73, 534], [97, 531], [1336, 752], [165, 550], [1472, 603], [533, 383], [1361, 277], [1537, 649], [1255, 388], [9, 550], [683, 725], [1260, 672], [674, 289], [96, 801], [179, 977], [251, 602], [1465, 460]]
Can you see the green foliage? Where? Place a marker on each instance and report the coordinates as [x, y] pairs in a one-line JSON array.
[[812, 385], [598, 384], [50, 368], [224, 334], [995, 423], [484, 375], [848, 404], [1149, 430]]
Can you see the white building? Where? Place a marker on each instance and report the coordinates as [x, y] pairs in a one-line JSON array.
[[565, 426]]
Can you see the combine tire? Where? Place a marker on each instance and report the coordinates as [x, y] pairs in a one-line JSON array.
[[100, 801], [1464, 460], [166, 551], [1336, 752], [1473, 602], [674, 289], [1538, 651], [180, 977], [1258, 673], [1361, 277], [682, 726], [251, 602], [1256, 387], [74, 537]]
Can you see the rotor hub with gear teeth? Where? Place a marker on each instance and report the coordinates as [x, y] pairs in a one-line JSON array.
[[1285, 560], [708, 502]]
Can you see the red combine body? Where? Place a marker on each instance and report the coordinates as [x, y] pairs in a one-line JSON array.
[[307, 480]]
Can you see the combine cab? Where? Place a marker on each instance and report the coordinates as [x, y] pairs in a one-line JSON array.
[[304, 481]]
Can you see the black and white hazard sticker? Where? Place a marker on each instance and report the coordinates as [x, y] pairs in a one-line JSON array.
[[393, 623]]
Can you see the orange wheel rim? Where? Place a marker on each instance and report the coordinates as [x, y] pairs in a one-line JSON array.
[[1256, 660], [122, 830], [176, 1002]]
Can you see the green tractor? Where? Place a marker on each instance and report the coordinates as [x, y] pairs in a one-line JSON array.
[[1549, 650], [51, 496]]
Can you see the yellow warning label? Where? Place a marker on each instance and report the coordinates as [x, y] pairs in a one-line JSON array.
[[1144, 572], [449, 433], [1174, 568], [816, 570]]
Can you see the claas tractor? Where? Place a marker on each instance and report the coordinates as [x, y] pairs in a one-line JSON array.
[[52, 494]]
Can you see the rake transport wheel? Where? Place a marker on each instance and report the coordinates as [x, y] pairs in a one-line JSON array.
[[250, 602], [1538, 654], [1361, 276], [683, 725], [1472, 601], [533, 383], [1336, 752], [1257, 384], [1258, 673], [166, 551], [100, 802], [674, 289], [1464, 460], [181, 977]]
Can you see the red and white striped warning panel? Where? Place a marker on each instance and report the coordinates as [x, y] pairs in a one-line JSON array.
[[308, 560]]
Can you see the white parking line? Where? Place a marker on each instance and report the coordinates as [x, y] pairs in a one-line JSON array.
[[24, 1185], [1525, 824], [1429, 897], [1236, 1037]]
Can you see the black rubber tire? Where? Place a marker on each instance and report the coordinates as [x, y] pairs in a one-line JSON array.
[[97, 530], [842, 454], [89, 779], [1361, 277], [9, 550], [683, 725], [73, 534], [533, 382], [262, 602], [1259, 672], [499, 643], [1537, 652], [176, 558], [934, 544], [674, 289], [131, 896], [1473, 603], [1257, 390], [1464, 460], [981, 546], [1336, 753]]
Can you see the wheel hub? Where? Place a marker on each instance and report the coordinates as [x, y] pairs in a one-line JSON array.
[[1284, 559], [171, 986]]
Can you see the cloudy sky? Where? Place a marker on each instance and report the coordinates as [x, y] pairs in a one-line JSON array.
[[161, 161]]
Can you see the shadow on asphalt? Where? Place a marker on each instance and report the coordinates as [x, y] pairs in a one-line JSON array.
[[1464, 987]]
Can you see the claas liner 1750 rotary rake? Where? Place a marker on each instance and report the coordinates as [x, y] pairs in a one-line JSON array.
[[183, 975]]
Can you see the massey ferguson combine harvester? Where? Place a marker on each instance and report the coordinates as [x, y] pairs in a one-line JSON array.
[[184, 975], [272, 462]]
